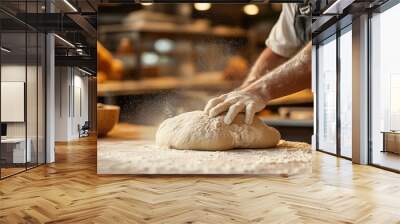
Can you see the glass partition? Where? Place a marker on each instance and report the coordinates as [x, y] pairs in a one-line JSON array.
[[326, 104], [15, 150], [35, 88], [385, 89], [23, 90], [41, 97], [346, 95], [32, 96]]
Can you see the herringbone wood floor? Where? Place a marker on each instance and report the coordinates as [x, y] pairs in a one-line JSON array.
[[69, 191]]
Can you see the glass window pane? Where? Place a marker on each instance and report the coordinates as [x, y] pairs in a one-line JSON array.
[[327, 97], [23, 89], [14, 153], [385, 84], [41, 99], [32, 96], [346, 94]]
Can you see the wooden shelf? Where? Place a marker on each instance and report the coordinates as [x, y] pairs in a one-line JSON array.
[[174, 29], [125, 131], [198, 82], [154, 85]]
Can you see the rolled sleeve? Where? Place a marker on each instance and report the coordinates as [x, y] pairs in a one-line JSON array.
[[283, 39]]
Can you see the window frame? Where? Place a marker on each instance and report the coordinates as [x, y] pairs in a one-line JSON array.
[[334, 36], [378, 10], [26, 30]]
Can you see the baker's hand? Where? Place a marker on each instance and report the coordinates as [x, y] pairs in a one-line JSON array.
[[235, 102]]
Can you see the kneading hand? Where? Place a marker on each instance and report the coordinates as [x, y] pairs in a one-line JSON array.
[[235, 102]]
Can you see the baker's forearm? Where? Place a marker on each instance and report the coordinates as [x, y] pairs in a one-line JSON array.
[[288, 78], [266, 62]]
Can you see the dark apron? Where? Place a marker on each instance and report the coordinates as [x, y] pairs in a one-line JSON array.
[[302, 21]]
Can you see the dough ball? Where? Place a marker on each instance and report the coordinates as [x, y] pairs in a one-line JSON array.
[[196, 131]]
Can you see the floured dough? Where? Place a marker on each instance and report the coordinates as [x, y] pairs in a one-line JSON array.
[[197, 131]]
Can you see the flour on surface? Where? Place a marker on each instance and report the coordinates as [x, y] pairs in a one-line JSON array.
[[144, 157]]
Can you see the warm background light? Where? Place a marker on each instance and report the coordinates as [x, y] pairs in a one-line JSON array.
[[146, 3], [276, 7], [251, 9], [202, 6]]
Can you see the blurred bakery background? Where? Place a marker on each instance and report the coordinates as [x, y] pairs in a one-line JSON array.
[[158, 60]]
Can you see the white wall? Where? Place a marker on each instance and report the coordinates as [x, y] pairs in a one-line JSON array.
[[16, 73], [61, 103], [33, 126], [80, 95], [71, 93]]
